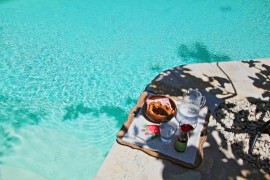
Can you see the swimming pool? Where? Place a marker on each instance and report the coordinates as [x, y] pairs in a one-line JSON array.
[[71, 70]]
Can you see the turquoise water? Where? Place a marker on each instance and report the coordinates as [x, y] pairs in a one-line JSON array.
[[71, 70]]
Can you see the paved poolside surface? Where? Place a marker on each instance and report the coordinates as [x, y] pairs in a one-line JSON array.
[[219, 82]]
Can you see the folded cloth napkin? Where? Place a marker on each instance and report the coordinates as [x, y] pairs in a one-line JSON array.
[[146, 132]]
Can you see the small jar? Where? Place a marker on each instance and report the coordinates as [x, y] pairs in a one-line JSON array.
[[181, 141]]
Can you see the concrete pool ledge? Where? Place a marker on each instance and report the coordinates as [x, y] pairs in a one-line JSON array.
[[219, 82]]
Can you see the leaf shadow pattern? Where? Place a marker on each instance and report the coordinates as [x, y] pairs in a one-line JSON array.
[[13, 111], [7, 142], [200, 53], [239, 121], [217, 89], [16, 114], [74, 111], [116, 112], [262, 81], [178, 79]]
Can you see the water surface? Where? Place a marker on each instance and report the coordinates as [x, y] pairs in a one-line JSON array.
[[71, 70]]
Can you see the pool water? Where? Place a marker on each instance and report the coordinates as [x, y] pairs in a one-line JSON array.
[[71, 70]]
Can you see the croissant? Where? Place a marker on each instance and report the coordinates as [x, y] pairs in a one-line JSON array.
[[156, 108]]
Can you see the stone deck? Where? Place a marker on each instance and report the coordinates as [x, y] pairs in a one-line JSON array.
[[219, 82]]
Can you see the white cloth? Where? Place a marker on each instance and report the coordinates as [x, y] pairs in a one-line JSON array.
[[155, 144]]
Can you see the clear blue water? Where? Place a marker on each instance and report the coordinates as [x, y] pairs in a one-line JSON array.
[[71, 70]]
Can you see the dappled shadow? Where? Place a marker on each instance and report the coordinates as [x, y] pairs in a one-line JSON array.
[[130, 101], [14, 113], [7, 142], [155, 142], [177, 80], [262, 79], [221, 161], [74, 111], [156, 68], [217, 163], [200, 53], [262, 82], [240, 121], [115, 112], [218, 87]]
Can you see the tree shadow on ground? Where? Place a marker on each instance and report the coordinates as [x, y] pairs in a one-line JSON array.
[[178, 79], [240, 121], [262, 79], [218, 88]]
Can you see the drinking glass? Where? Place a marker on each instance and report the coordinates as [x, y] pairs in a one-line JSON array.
[[166, 132]]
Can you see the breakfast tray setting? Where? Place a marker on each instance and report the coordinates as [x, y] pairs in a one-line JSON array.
[[136, 133]]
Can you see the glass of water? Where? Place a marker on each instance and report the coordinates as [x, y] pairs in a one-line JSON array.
[[166, 132]]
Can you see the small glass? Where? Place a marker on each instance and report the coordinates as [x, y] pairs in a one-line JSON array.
[[166, 132]]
